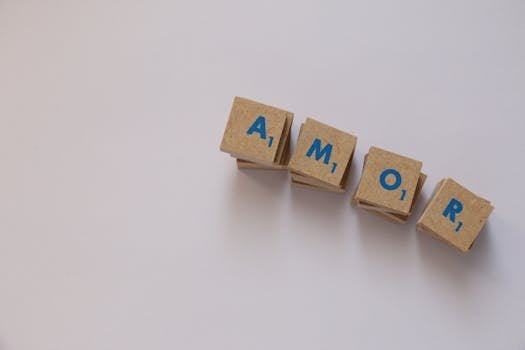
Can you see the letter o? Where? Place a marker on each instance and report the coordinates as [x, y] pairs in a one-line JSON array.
[[384, 175]]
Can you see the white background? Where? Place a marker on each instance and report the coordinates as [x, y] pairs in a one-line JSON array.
[[122, 226]]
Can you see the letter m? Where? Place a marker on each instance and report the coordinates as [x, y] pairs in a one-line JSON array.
[[319, 153]]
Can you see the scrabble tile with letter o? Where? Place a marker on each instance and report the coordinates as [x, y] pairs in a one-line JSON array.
[[389, 185]]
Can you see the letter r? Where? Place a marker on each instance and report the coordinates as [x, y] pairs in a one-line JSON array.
[[454, 207]]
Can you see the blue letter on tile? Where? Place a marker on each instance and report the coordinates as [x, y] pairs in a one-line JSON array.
[[259, 125], [454, 207], [385, 185], [319, 153]]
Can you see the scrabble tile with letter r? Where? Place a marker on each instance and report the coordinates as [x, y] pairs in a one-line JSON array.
[[322, 157], [455, 215], [257, 135], [389, 185]]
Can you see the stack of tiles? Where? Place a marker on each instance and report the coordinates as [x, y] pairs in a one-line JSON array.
[[322, 157], [257, 135], [389, 185], [455, 215]]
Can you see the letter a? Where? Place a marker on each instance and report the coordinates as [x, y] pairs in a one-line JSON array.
[[259, 125]]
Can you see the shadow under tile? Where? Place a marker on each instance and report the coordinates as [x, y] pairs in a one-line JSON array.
[[459, 270], [253, 206]]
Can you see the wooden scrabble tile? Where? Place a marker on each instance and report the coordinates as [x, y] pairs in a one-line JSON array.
[[399, 218], [283, 162], [322, 157], [455, 215], [257, 133], [307, 186], [390, 182], [313, 183], [245, 164]]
